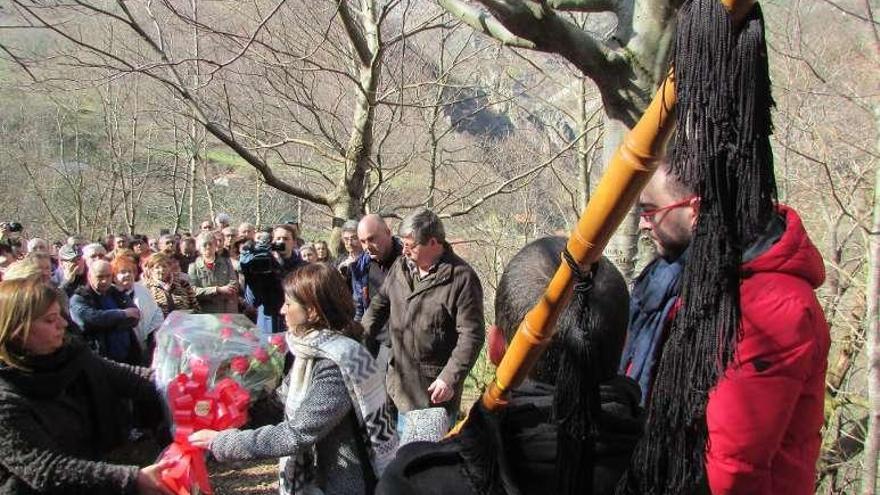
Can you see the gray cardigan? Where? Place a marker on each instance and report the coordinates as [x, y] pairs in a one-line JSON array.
[[324, 419]]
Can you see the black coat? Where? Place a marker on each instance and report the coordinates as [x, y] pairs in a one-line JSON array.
[[263, 277], [59, 419], [514, 451]]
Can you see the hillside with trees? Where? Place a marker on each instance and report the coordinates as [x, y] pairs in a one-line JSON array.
[[120, 116]]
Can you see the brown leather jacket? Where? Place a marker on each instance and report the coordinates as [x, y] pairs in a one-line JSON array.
[[435, 325]]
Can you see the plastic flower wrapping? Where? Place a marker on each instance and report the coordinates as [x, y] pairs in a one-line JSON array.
[[227, 345], [210, 368]]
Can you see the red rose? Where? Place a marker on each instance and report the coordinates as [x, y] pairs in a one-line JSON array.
[[226, 333], [277, 339], [239, 364], [261, 355]]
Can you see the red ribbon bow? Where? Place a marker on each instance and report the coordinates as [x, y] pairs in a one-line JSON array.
[[193, 408]]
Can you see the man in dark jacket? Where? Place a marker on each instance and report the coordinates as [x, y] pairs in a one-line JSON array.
[[264, 266], [380, 250], [351, 251], [106, 316], [432, 301]]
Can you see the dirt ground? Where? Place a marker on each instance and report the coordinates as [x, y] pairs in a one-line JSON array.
[[252, 477]]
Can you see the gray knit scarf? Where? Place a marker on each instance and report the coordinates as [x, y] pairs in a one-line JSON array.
[[365, 381]]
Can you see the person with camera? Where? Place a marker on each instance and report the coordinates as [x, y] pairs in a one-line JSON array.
[[264, 266]]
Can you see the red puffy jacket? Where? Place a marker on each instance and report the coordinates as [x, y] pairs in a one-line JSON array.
[[765, 414]]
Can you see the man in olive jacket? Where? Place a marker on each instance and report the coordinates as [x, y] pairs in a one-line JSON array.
[[432, 301]]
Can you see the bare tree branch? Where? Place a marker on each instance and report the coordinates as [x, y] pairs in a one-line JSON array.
[[355, 36], [869, 19], [585, 5], [484, 23], [837, 199], [607, 64]]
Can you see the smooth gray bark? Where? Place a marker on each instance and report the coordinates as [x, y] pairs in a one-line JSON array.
[[626, 66]]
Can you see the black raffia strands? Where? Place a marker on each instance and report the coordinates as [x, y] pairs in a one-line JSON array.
[[722, 151]]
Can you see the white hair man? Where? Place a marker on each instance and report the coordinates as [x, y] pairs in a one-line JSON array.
[[106, 315]]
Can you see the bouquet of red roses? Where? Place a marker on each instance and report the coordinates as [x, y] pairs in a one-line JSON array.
[[229, 345], [211, 367]]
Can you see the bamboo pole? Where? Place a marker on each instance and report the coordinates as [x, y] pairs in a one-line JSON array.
[[631, 167]]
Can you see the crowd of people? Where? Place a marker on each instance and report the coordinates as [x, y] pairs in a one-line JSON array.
[[391, 329], [118, 289], [113, 295]]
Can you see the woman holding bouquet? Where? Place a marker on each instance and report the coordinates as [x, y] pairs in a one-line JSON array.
[[60, 403], [338, 434]]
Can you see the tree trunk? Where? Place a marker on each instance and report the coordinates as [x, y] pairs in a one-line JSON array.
[[623, 248], [872, 441], [365, 42], [626, 71], [259, 203], [175, 174], [209, 196], [191, 190]]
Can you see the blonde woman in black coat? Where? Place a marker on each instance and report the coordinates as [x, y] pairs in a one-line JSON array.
[[60, 403]]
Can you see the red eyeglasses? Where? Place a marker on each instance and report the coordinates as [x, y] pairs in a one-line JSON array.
[[648, 215]]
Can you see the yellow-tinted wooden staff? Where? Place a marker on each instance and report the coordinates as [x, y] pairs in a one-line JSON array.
[[629, 171]]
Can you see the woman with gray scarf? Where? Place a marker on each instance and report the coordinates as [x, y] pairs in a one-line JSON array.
[[338, 434]]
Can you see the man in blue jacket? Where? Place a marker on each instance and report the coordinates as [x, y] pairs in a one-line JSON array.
[[106, 316]]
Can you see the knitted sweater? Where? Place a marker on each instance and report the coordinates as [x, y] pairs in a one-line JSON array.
[[324, 419]]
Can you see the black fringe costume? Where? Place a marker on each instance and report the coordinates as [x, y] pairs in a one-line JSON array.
[[722, 151]]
